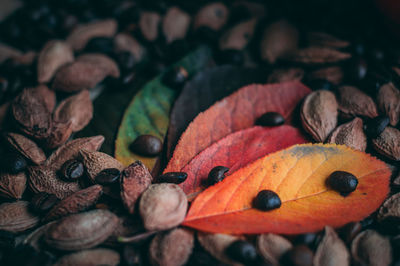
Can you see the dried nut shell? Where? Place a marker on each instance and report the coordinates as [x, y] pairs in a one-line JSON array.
[[15, 217], [371, 248], [388, 143], [332, 74], [82, 34], [34, 239], [98, 256], [319, 114], [7, 52], [12, 186], [279, 39], [353, 102], [317, 55], [331, 250], [77, 109], [390, 208], [148, 24], [48, 96], [350, 134], [60, 133], [283, 75], [82, 230], [77, 202], [326, 40], [54, 54], [213, 16], [271, 247], [26, 147], [175, 24], [102, 61], [171, 248], [126, 43], [238, 36], [163, 206], [135, 179], [389, 102]]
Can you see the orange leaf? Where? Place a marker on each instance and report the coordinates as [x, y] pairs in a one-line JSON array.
[[235, 112], [298, 176]]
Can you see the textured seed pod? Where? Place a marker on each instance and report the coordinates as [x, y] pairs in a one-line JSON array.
[[175, 24], [162, 206], [98, 256], [326, 40], [371, 248], [213, 16], [283, 75], [15, 217], [134, 180], [77, 108], [82, 34], [34, 239], [390, 209], [388, 143], [317, 55], [238, 36], [48, 96], [102, 61], [271, 247], [148, 24], [60, 133], [279, 39], [171, 248], [331, 250], [26, 147], [332, 74], [126, 43], [82, 230], [7, 52], [350, 134], [54, 54], [12, 186], [389, 102], [353, 102], [77, 202], [319, 114]]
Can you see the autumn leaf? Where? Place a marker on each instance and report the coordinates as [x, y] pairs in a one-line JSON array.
[[235, 112], [236, 151], [298, 176]]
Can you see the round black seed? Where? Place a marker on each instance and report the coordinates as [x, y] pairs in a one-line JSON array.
[[299, 255], [230, 56], [43, 202], [242, 251], [342, 182], [146, 145], [172, 177], [217, 174], [267, 200], [270, 119], [376, 126], [72, 170], [108, 176], [175, 77]]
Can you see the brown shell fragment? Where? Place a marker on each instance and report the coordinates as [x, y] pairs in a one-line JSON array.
[[354, 102], [319, 114], [28, 148], [82, 34], [271, 247], [331, 250], [175, 24], [213, 16], [125, 42], [15, 217], [238, 36], [60, 133], [102, 61], [12, 186], [332, 74], [54, 55], [148, 24], [389, 102], [388, 143], [48, 96], [98, 256], [283, 75], [326, 40], [390, 209], [134, 180], [82, 230], [318, 55], [350, 134]]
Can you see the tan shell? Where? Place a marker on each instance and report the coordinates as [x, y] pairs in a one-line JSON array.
[[102, 61], [213, 16], [331, 250], [26, 147], [148, 24], [350, 134], [283, 75], [98, 256], [354, 102], [388, 143], [271, 247], [389, 102], [332, 74], [390, 208], [238, 36], [12, 186], [15, 217], [125, 42], [175, 24], [318, 55]]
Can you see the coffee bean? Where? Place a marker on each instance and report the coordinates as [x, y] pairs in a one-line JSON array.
[[172, 177], [217, 174], [299, 255], [146, 145], [342, 182], [270, 119], [242, 251], [175, 77], [267, 200], [72, 170], [230, 56], [42, 202], [376, 126], [108, 176]]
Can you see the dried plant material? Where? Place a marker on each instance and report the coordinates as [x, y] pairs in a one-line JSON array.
[[54, 54], [331, 250], [82, 34], [135, 179], [371, 248], [175, 24], [48, 96], [317, 55], [4, 108], [389, 102], [319, 114], [350, 134], [388, 143], [390, 209], [125, 42], [77, 109], [354, 102], [148, 24], [283, 75], [326, 40], [271, 247], [60, 133], [82, 230], [15, 217], [162, 206], [98, 256], [34, 239], [127, 226], [28, 148], [77, 202], [12, 186], [102, 61], [332, 74], [171, 248], [213, 16], [238, 36], [279, 39], [7, 52]]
